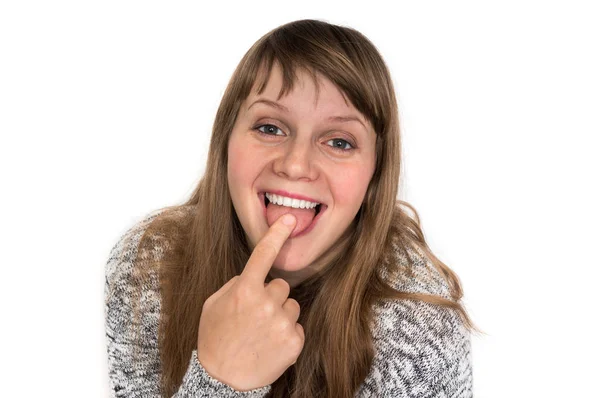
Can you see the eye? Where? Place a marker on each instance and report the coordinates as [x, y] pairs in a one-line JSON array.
[[269, 129], [340, 145]]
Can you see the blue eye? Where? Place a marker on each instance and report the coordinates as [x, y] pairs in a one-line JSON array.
[[269, 129], [340, 145]]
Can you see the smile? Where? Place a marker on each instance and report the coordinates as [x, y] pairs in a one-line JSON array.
[[306, 210], [289, 202]]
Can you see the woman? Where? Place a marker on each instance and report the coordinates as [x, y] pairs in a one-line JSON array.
[[292, 270]]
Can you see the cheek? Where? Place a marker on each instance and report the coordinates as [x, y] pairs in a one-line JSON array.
[[235, 177], [349, 186], [235, 161], [240, 162]]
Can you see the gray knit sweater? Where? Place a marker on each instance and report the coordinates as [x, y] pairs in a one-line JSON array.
[[421, 350]]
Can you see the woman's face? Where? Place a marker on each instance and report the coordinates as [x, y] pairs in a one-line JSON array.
[[310, 146]]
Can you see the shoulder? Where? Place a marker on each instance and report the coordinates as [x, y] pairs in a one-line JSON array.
[[421, 349], [409, 269], [126, 247], [124, 286], [120, 268], [127, 243]]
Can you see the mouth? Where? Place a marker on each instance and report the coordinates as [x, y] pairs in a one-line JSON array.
[[320, 209]]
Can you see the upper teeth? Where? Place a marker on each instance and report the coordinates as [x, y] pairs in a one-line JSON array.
[[289, 202]]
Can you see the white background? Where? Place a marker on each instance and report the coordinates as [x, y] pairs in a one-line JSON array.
[[105, 114]]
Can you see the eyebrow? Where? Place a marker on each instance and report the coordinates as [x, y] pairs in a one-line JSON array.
[[273, 104], [270, 103]]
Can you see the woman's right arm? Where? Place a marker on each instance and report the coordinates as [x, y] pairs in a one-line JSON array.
[[139, 376]]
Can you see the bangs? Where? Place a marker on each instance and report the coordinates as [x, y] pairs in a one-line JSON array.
[[289, 71], [333, 54]]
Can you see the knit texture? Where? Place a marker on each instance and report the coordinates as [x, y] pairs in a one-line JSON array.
[[421, 350]]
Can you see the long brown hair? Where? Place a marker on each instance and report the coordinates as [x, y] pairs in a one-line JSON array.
[[205, 243]]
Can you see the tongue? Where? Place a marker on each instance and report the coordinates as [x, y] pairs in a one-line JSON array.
[[303, 216]]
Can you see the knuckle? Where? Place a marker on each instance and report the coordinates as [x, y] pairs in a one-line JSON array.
[[281, 281], [296, 343], [208, 302], [300, 332], [284, 325], [281, 284], [294, 304], [267, 309], [242, 293]]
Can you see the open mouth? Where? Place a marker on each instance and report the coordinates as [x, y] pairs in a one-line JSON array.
[[302, 211], [266, 202]]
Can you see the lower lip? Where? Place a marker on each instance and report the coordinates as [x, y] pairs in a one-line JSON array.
[[261, 197]]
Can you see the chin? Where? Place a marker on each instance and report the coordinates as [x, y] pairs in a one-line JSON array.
[[287, 261]]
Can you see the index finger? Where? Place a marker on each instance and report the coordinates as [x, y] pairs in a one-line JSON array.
[[266, 250]]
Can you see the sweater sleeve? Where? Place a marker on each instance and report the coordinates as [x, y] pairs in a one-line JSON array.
[[134, 363], [422, 350]]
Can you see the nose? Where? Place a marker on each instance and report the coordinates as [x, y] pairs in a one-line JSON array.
[[295, 162]]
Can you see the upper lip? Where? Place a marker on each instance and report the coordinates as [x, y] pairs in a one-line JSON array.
[[291, 195]]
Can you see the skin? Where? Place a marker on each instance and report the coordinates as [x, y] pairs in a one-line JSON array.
[[248, 333], [295, 150]]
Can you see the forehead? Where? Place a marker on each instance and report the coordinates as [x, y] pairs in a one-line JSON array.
[[301, 85]]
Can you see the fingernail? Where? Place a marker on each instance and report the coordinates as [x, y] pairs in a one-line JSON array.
[[289, 219]]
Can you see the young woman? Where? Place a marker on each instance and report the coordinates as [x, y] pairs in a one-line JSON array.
[[292, 270]]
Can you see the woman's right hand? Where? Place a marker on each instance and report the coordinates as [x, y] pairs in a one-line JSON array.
[[248, 333]]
